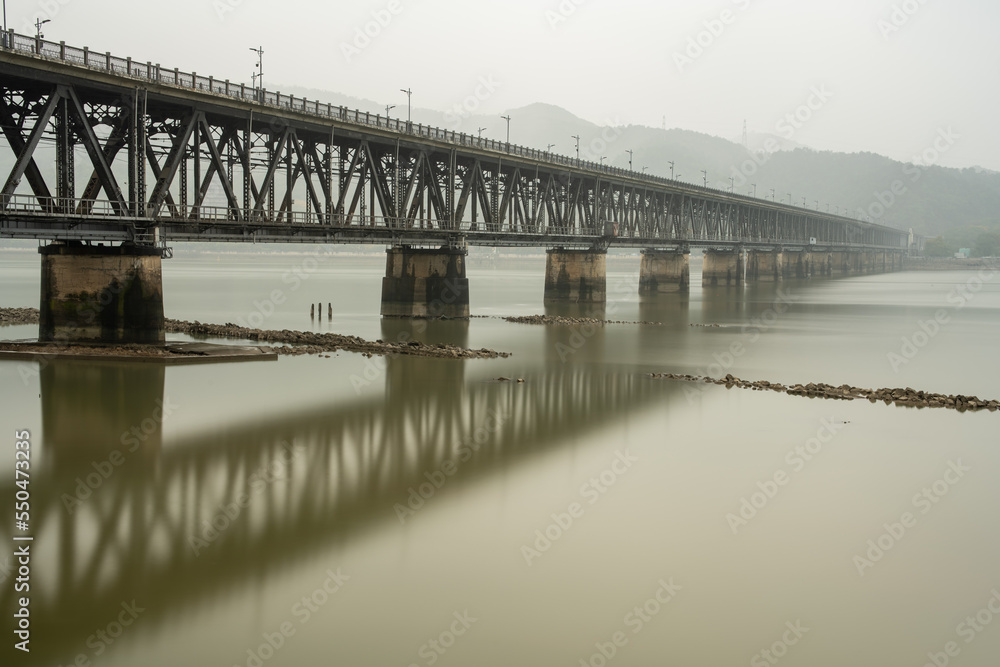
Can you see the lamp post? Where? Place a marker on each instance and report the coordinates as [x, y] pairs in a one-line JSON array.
[[754, 190], [644, 169], [388, 108], [671, 170], [772, 194], [507, 118], [549, 147], [409, 105], [481, 130], [259, 74], [704, 177], [789, 198], [603, 158], [577, 137], [38, 26], [630, 152], [732, 183]]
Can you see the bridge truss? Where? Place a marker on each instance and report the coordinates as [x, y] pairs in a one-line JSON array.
[[105, 148]]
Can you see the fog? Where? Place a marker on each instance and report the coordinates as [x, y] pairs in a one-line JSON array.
[[884, 77]]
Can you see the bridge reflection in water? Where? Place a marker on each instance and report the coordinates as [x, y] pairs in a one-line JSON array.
[[120, 514]]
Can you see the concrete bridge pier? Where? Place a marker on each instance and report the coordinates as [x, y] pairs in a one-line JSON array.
[[819, 263], [425, 282], [578, 276], [664, 271], [103, 293], [794, 265], [722, 268], [765, 266]]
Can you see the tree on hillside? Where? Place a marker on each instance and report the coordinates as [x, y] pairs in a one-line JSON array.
[[987, 245], [938, 248]]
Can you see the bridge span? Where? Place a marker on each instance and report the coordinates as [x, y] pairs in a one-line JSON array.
[[170, 156]]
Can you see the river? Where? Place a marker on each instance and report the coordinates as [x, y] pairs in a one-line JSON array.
[[344, 510]]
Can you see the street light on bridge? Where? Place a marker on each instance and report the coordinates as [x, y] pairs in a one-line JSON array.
[[38, 26], [549, 147], [258, 76], [409, 106], [671, 170], [577, 137], [630, 152], [481, 130], [704, 176], [754, 190], [507, 118], [388, 108]]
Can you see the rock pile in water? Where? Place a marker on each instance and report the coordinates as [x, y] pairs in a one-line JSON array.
[[297, 343], [14, 316], [909, 397], [558, 319]]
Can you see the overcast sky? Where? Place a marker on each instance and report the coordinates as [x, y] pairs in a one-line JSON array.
[[886, 76]]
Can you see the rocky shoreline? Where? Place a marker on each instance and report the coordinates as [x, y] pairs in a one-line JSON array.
[[896, 396]]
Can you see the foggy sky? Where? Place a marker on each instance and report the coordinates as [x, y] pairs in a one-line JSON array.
[[881, 76]]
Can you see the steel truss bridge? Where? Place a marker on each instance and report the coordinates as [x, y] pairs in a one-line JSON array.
[[105, 148]]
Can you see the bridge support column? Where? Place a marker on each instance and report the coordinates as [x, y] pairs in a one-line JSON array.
[[793, 265], [722, 267], [664, 271], [818, 263], [576, 275], [838, 263], [765, 266], [107, 294], [425, 282]]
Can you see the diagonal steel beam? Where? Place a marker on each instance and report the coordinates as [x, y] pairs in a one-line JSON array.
[[116, 142], [154, 166], [25, 149], [217, 167], [276, 160], [96, 153], [303, 167], [172, 164]]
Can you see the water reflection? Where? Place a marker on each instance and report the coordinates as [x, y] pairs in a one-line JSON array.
[[183, 523]]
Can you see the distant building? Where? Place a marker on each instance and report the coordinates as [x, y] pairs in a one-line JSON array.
[[963, 253]]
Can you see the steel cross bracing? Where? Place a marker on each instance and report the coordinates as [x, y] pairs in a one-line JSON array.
[[107, 149]]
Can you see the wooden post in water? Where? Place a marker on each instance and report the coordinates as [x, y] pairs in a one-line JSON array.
[[312, 311], [329, 311]]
